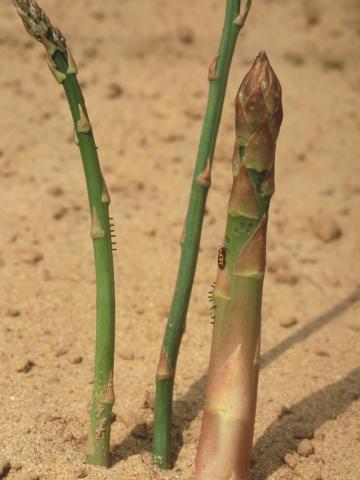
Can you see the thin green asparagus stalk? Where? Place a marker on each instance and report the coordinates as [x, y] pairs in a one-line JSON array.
[[64, 69], [218, 75], [229, 414]]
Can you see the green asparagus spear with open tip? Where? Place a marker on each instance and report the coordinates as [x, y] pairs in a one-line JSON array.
[[64, 69], [229, 414], [218, 75]]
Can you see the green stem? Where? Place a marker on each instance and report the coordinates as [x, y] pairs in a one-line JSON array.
[[97, 450], [64, 70], [218, 76]]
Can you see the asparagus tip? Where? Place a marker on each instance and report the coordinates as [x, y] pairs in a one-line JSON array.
[[258, 101], [38, 25]]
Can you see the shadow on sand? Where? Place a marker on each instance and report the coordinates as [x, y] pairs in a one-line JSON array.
[[278, 439], [302, 419]]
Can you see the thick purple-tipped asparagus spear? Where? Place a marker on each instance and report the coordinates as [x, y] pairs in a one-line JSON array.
[[229, 415]]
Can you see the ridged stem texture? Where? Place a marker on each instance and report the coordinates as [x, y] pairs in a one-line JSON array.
[[218, 76], [64, 69], [225, 442]]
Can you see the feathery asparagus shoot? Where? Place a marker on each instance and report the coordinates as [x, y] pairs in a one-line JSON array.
[[229, 414], [218, 75], [63, 67]]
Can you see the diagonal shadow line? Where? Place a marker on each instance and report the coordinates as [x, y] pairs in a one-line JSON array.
[[310, 328], [310, 413], [187, 408]]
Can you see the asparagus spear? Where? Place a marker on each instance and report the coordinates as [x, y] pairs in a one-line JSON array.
[[63, 67], [225, 442], [218, 75]]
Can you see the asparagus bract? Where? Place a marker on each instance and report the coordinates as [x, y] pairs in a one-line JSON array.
[[63, 67], [218, 75], [229, 414]]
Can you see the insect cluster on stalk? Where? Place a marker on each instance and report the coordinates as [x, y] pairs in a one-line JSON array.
[[112, 232], [221, 261]]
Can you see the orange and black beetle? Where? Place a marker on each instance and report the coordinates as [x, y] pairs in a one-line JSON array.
[[221, 257]]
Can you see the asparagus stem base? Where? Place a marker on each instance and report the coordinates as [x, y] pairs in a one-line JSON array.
[[162, 441]]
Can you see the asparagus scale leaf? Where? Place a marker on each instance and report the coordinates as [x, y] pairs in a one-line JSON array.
[[63, 67], [227, 429]]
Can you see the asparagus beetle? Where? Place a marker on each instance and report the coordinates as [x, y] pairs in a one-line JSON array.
[[221, 257]]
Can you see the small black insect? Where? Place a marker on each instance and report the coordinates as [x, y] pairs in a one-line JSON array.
[[221, 257], [211, 300], [112, 233]]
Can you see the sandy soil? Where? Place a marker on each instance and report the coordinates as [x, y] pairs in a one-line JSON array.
[[143, 66]]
